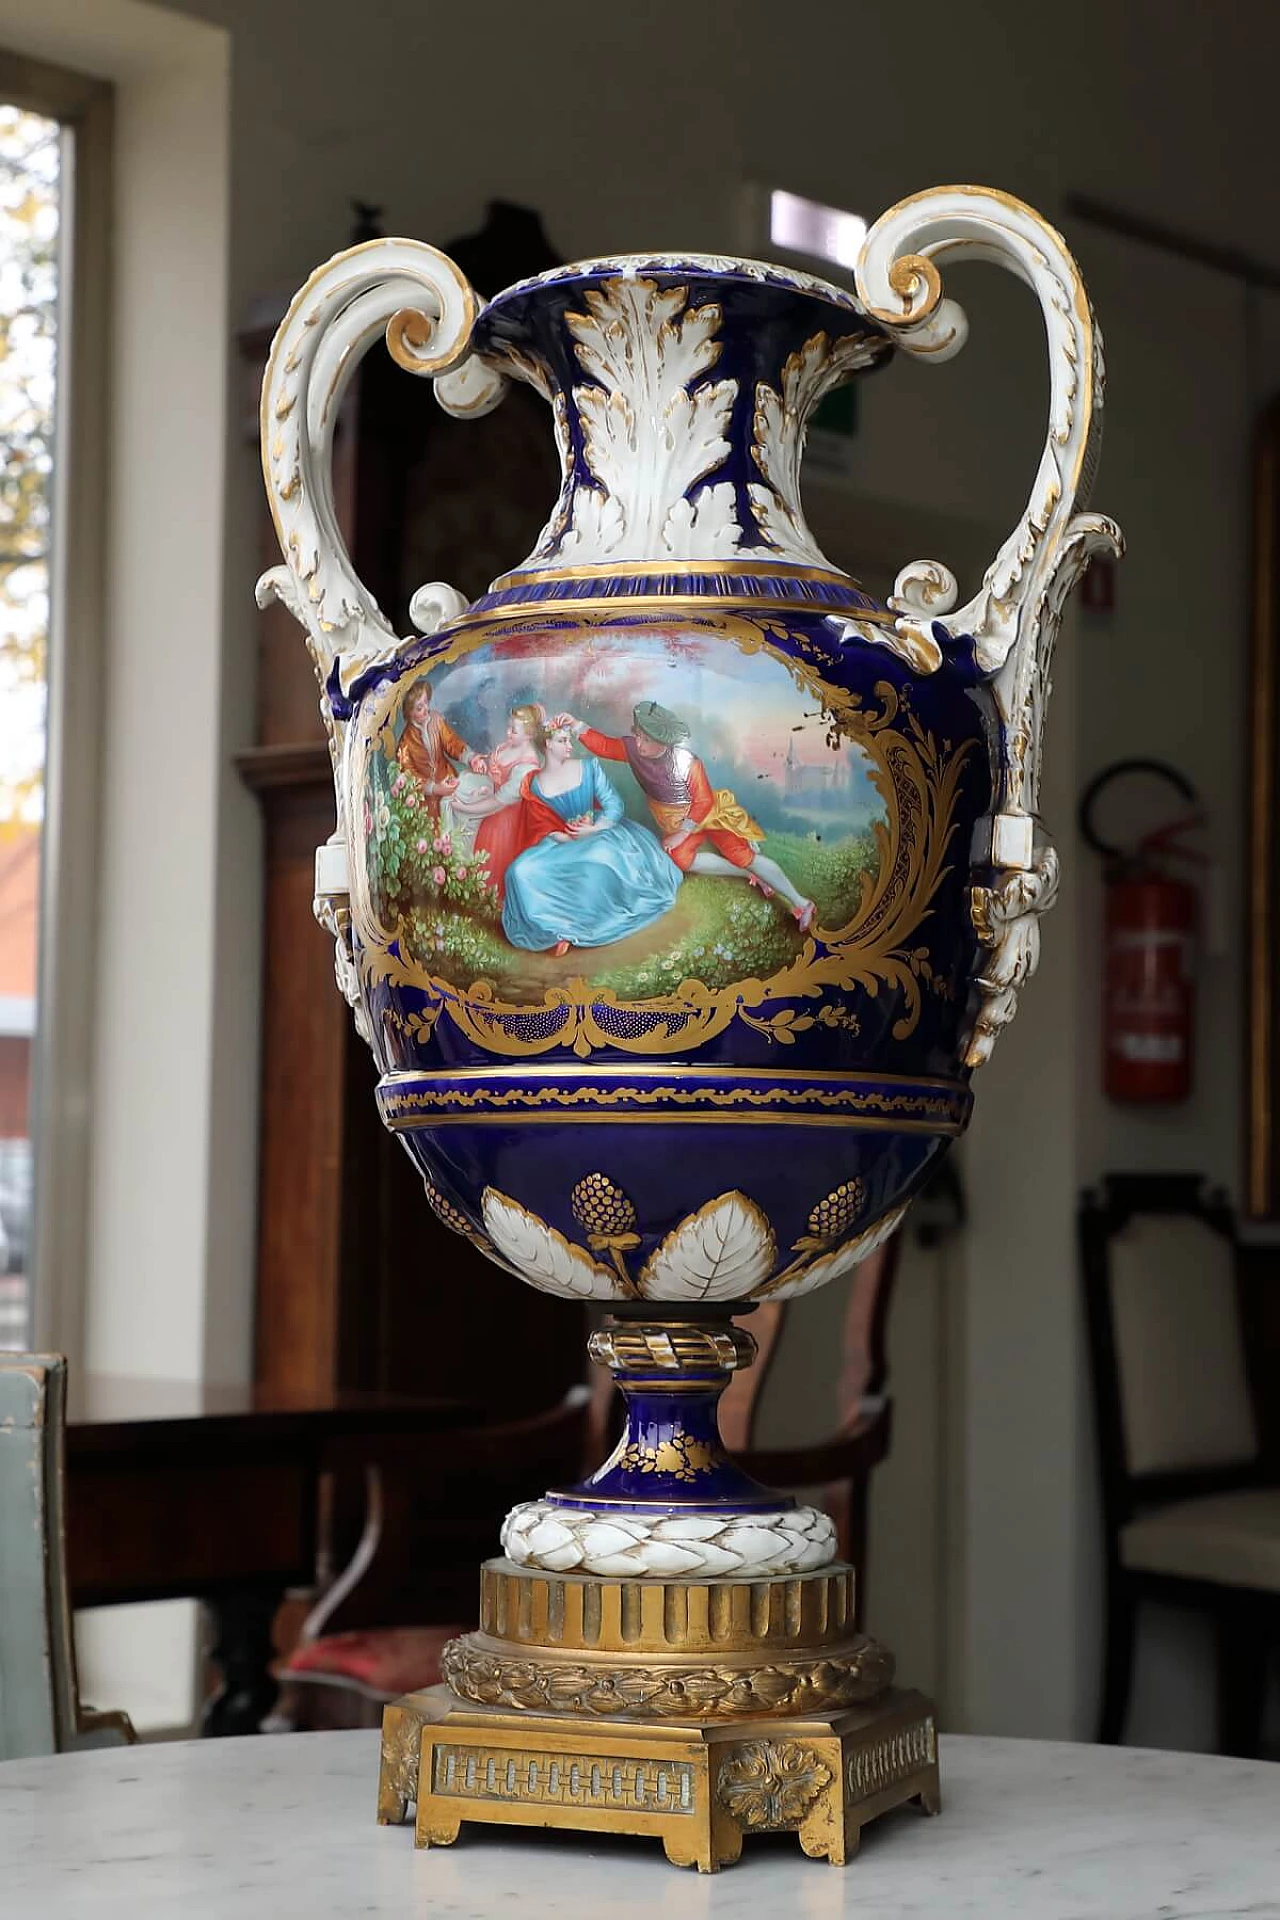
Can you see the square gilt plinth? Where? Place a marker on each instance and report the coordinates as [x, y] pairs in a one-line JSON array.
[[699, 1787]]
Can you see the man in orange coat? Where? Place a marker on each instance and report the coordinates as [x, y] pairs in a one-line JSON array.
[[427, 746], [704, 830]]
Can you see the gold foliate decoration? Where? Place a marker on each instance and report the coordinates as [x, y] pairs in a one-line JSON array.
[[918, 778], [766, 1786], [416, 1027], [940, 1109], [712, 1691], [398, 1773], [680, 1457]]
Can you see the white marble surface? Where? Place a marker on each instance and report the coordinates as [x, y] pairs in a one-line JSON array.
[[283, 1829]]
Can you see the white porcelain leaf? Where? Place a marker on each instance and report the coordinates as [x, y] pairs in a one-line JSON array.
[[649, 433], [780, 421], [722, 1252], [542, 1256]]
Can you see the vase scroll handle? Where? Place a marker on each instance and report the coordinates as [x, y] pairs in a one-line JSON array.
[[426, 308], [1014, 617]]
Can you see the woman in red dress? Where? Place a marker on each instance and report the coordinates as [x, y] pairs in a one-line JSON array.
[[498, 837]]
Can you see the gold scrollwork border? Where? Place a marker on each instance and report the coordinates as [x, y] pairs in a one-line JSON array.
[[917, 777], [938, 1112]]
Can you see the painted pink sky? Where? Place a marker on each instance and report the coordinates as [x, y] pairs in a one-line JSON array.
[[718, 690], [745, 712]]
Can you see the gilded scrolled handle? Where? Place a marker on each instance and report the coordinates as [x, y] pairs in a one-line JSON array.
[[1014, 617], [427, 309]]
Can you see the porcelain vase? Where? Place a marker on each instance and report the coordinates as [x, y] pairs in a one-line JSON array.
[[679, 885]]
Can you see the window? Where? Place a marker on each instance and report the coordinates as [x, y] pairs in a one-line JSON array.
[[54, 177], [31, 174]]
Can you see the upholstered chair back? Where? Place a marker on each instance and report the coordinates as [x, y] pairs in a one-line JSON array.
[[1184, 1396]]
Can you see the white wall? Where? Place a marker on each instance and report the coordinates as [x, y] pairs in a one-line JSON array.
[[634, 127]]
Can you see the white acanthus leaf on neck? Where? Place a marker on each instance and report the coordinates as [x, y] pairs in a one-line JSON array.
[[778, 440], [650, 434]]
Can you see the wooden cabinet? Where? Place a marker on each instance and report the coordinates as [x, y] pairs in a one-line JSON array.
[[358, 1284]]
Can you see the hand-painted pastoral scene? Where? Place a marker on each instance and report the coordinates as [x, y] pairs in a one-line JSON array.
[[638, 810]]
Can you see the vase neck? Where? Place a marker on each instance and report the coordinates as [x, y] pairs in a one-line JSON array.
[[680, 393]]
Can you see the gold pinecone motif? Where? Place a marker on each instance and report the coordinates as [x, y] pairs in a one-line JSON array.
[[602, 1209], [834, 1216]]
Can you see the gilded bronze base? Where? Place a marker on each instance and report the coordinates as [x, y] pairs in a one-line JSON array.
[[695, 1711], [654, 1650], [699, 1787]]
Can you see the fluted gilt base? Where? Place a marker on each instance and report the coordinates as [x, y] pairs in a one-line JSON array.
[[695, 1711]]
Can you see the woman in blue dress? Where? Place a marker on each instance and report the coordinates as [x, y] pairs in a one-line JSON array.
[[586, 875]]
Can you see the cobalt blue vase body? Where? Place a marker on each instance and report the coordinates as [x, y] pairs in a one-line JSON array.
[[679, 884], [660, 917]]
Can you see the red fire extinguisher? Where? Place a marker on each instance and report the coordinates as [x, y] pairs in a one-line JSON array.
[[1149, 934]]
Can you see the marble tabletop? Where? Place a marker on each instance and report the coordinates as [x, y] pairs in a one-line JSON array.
[[282, 1828]]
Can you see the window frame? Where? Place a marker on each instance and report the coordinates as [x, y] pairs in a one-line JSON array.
[[62, 1052]]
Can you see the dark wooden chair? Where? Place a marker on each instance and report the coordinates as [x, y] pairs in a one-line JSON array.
[[1189, 1515], [430, 1519], [834, 1470]]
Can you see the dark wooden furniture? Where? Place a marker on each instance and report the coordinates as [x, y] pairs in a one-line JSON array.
[[413, 1581], [177, 1490], [1191, 1515]]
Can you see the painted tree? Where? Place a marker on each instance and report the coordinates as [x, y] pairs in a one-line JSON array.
[[30, 153]]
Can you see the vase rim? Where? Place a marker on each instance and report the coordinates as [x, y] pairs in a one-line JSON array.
[[740, 269]]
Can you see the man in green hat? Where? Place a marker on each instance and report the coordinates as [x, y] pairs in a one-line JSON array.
[[704, 830]]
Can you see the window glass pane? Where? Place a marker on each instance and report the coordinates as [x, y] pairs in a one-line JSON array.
[[30, 177]]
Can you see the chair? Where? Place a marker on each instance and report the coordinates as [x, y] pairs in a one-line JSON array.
[[40, 1709], [411, 1584], [1190, 1516], [840, 1466]]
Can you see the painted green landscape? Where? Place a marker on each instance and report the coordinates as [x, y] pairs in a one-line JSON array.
[[719, 931], [806, 811]]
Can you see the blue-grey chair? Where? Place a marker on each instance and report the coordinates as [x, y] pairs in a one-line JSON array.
[[40, 1710]]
